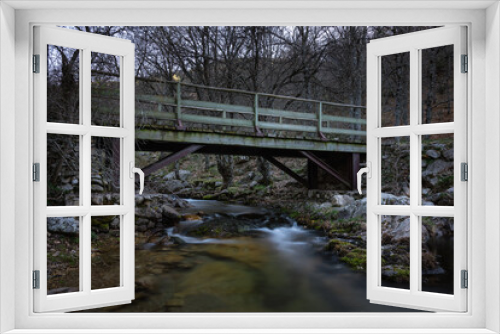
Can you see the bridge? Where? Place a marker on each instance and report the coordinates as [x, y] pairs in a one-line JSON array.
[[239, 122]]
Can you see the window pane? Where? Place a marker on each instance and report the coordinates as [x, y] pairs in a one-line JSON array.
[[105, 171], [63, 84], [437, 254], [438, 170], [395, 250], [63, 170], [437, 85], [105, 252], [105, 89], [63, 254], [395, 164], [395, 99]]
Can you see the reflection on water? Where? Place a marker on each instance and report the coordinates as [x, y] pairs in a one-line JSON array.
[[280, 269]]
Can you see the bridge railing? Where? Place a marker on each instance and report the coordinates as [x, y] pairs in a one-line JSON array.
[[182, 107]]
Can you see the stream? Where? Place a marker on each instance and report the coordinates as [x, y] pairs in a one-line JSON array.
[[274, 266]]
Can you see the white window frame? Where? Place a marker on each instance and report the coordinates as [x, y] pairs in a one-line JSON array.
[[484, 102], [414, 43], [86, 44]]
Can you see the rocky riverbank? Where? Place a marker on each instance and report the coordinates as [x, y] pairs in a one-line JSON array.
[[340, 215]]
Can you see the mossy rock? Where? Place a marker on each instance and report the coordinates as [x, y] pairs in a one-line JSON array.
[[356, 259], [102, 222], [233, 190], [210, 197]]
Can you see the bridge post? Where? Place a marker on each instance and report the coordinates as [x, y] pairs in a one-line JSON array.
[[178, 109], [320, 121], [256, 115]]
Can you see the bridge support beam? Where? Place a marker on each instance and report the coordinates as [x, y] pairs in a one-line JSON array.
[[287, 170], [170, 159], [321, 164]]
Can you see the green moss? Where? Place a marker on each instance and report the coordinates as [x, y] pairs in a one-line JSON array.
[[233, 190], [201, 231], [70, 260], [356, 259], [353, 256], [209, 197], [428, 221], [445, 182], [401, 275]]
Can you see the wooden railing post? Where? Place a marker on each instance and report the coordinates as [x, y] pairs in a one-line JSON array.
[[320, 121], [223, 117], [256, 115], [178, 109]]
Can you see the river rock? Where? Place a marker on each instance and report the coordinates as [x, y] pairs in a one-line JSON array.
[[357, 209], [433, 154], [325, 205], [449, 154], [437, 167], [390, 199], [139, 199], [67, 188], [115, 224], [341, 200], [354, 210], [170, 213], [67, 225], [97, 188], [96, 179], [182, 173], [173, 186], [96, 199]]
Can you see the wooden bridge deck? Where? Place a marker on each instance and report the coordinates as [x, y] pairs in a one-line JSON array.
[[159, 139]]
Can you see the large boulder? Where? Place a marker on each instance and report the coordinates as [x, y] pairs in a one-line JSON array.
[[66, 225], [170, 213], [390, 199], [437, 167], [432, 154], [183, 175], [339, 200], [449, 154], [174, 186], [355, 210]]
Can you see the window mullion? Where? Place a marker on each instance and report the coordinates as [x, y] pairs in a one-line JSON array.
[[415, 230], [86, 163]]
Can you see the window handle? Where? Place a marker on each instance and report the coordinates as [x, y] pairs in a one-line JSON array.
[[139, 171], [368, 171]]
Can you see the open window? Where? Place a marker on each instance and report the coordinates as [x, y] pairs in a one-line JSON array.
[[84, 128], [102, 119], [402, 56]]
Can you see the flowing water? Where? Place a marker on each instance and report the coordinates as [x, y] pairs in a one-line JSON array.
[[270, 268]]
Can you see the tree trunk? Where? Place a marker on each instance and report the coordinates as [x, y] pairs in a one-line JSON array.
[[225, 166], [265, 170]]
